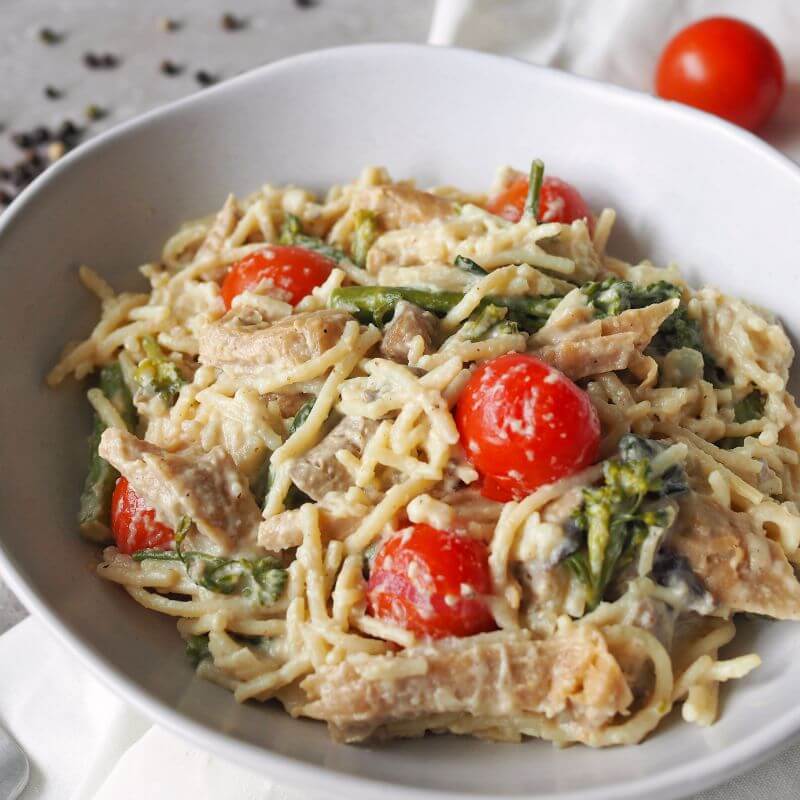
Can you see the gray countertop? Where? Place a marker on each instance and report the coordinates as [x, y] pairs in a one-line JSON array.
[[274, 29]]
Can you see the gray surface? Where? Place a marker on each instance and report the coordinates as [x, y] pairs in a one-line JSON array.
[[277, 28]]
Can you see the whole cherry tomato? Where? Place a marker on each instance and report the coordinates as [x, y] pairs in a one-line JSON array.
[[559, 201], [134, 524], [723, 66], [432, 583], [524, 424], [292, 269]]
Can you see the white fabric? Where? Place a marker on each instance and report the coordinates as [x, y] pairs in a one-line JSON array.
[[618, 40], [86, 744]]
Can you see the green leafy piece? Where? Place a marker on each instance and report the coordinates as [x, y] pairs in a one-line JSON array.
[[750, 408], [364, 235], [197, 649], [95, 500], [676, 331], [262, 578], [616, 517], [535, 179], [468, 265], [376, 304], [157, 374], [292, 233], [613, 296], [485, 319], [301, 416]]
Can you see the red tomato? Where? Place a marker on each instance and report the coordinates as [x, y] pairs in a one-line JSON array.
[[134, 524], [524, 424], [294, 270], [723, 66], [559, 201], [432, 582]]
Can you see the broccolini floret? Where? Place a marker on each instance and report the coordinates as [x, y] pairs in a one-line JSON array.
[[157, 374], [613, 296], [616, 517]]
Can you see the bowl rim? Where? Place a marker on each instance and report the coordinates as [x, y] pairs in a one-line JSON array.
[[728, 762]]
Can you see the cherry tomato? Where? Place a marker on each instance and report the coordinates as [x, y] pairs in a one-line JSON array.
[[723, 66], [432, 582], [294, 270], [559, 201], [134, 524], [524, 424]]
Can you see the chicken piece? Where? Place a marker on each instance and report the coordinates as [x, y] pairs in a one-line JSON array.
[[243, 344], [579, 358], [221, 228], [408, 322], [207, 487], [319, 471], [620, 340], [285, 530], [288, 404], [398, 206], [644, 322], [571, 674], [742, 568]]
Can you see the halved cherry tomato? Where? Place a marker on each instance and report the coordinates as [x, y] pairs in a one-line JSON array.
[[432, 583], [134, 524], [559, 201], [723, 66], [524, 424], [294, 270]]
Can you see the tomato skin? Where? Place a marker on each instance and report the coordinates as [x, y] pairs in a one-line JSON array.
[[524, 424], [417, 578], [134, 524], [559, 201], [723, 66], [294, 270]]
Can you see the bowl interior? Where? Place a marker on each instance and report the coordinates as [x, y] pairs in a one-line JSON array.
[[687, 188]]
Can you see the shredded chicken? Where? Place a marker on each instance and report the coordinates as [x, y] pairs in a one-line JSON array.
[[398, 205], [742, 568], [408, 322], [207, 487], [220, 229], [285, 530], [244, 344], [572, 675], [608, 344], [319, 471]]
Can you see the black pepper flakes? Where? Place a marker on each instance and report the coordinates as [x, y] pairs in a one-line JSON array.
[[40, 134], [49, 36], [94, 112], [230, 22], [306, 3], [205, 78], [22, 139], [169, 25], [5, 198], [170, 68], [100, 60], [51, 93]]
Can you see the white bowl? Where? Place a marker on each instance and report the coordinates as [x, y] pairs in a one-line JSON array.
[[687, 187]]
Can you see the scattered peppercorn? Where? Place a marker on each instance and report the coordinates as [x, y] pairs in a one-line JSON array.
[[5, 198], [230, 22], [95, 112], [51, 93], [22, 139], [205, 78], [100, 60], [40, 134], [49, 36], [169, 25], [170, 68], [305, 3]]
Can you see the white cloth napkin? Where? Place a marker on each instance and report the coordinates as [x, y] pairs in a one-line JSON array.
[[86, 744]]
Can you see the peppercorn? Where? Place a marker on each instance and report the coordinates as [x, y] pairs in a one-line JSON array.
[[22, 139], [169, 25], [170, 68], [51, 93], [205, 78], [5, 198], [230, 22], [95, 112], [40, 134], [49, 36]]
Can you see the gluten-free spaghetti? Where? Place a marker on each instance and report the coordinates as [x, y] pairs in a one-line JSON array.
[[417, 461]]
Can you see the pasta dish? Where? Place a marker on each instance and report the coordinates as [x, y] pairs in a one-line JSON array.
[[415, 461]]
